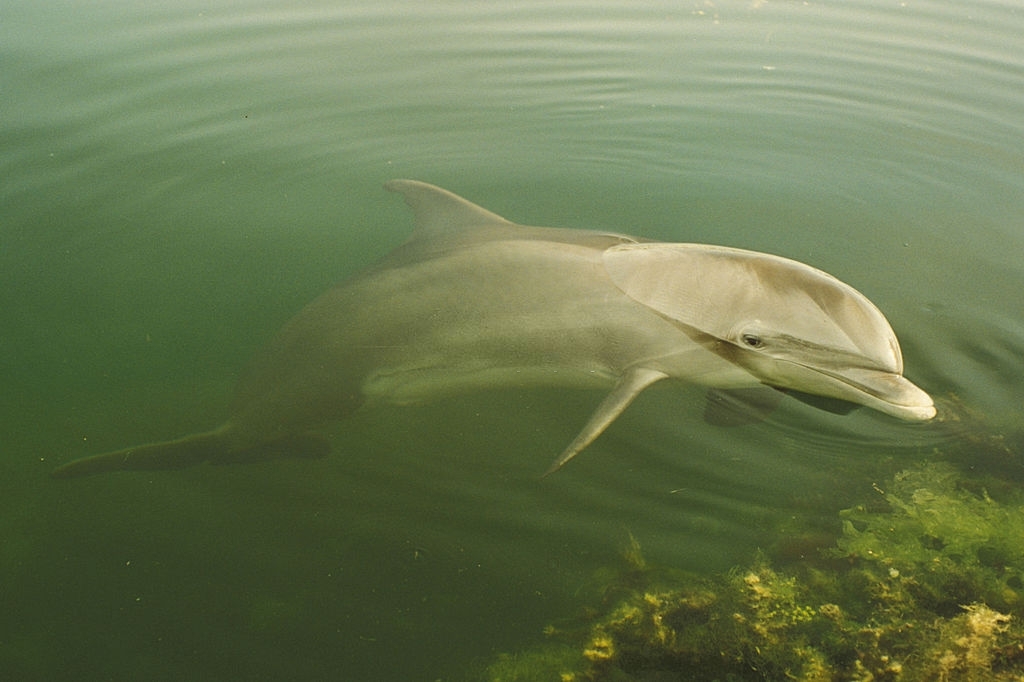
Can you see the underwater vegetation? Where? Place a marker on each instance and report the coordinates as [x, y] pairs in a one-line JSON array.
[[924, 582]]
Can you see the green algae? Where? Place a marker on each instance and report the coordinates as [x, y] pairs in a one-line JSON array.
[[949, 545], [923, 583]]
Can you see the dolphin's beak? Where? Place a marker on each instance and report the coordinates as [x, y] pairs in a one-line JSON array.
[[888, 392]]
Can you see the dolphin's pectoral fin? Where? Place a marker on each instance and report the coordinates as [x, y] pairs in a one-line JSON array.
[[833, 405], [740, 406], [629, 387]]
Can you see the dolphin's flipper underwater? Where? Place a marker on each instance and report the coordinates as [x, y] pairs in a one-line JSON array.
[[474, 301], [629, 387], [740, 406]]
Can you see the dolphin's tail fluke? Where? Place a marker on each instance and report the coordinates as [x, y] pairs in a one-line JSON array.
[[212, 446]]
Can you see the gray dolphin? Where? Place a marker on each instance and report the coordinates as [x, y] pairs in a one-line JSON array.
[[472, 301]]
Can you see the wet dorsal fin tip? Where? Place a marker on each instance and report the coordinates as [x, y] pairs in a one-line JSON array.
[[437, 210]]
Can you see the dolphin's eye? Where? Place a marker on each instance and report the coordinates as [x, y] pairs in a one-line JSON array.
[[752, 341]]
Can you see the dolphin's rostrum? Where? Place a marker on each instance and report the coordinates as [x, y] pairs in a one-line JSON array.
[[472, 301]]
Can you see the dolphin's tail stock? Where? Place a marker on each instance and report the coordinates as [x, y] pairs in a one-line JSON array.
[[211, 446]]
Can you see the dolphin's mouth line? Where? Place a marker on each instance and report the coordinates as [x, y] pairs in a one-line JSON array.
[[878, 392], [886, 386]]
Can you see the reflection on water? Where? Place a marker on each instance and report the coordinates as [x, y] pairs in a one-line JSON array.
[[179, 180]]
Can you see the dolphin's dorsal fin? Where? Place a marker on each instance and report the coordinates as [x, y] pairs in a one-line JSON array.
[[438, 212]]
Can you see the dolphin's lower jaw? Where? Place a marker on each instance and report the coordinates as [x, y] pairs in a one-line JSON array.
[[880, 390], [885, 392], [889, 393], [913, 404]]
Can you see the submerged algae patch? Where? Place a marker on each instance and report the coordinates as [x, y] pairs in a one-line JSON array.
[[949, 544], [921, 585]]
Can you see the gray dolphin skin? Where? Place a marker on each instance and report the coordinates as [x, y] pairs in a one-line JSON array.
[[473, 301]]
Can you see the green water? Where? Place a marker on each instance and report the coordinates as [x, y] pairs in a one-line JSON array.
[[177, 179]]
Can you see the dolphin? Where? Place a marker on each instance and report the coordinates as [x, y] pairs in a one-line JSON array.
[[473, 301]]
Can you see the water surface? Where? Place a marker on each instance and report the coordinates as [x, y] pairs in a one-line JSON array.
[[177, 180]]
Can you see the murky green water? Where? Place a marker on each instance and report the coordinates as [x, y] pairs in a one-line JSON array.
[[178, 179]]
